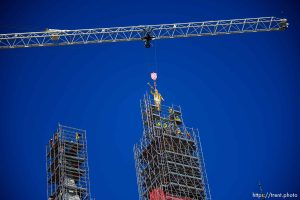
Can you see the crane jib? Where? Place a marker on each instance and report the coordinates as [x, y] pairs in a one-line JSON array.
[[146, 33]]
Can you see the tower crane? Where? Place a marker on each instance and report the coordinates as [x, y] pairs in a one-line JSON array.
[[146, 33]]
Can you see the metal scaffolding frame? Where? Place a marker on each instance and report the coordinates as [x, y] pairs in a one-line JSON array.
[[169, 159], [58, 37], [67, 165]]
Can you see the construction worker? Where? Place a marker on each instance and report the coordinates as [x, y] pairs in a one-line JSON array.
[[177, 118], [158, 124], [77, 136], [51, 143], [188, 135], [165, 125]]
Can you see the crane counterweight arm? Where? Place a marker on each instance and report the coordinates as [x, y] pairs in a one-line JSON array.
[[146, 33]]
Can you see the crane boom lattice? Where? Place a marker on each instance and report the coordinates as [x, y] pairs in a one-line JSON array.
[[57, 37]]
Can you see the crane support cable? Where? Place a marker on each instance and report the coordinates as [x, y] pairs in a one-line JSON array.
[[57, 37]]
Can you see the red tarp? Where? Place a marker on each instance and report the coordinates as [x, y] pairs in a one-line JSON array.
[[159, 194]]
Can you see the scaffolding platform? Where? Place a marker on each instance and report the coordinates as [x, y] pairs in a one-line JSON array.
[[67, 165], [169, 159]]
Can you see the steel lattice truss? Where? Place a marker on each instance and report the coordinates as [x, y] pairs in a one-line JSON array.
[[56, 37], [169, 159], [67, 165]]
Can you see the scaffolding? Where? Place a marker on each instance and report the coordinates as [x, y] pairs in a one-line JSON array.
[[169, 159], [67, 165]]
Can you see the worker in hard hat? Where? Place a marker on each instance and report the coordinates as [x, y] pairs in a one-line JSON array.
[[51, 142], [188, 135], [177, 119], [77, 136], [178, 131], [158, 124], [165, 125]]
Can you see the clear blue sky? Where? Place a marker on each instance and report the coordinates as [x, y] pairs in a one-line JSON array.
[[241, 91]]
